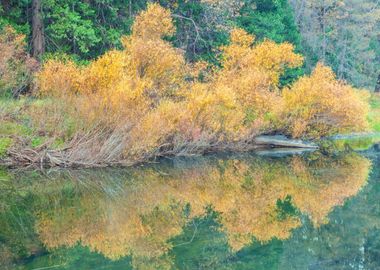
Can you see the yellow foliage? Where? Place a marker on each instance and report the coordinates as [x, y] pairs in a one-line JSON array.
[[102, 75], [58, 78], [241, 38], [215, 112], [155, 127], [320, 105], [157, 63], [274, 58], [153, 23], [267, 56], [149, 88]]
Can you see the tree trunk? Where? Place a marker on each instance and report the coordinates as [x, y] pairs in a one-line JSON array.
[[38, 42], [377, 88]]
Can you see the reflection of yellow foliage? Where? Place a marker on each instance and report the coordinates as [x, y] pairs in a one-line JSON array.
[[145, 213]]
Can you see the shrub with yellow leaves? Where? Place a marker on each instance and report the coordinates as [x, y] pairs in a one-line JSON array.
[[155, 128], [58, 78], [153, 23], [320, 105], [166, 102]]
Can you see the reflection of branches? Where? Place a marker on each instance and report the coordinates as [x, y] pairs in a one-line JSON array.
[[192, 238], [49, 267], [148, 204]]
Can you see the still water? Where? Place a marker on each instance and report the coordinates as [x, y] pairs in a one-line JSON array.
[[237, 212]]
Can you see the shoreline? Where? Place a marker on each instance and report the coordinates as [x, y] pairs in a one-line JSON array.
[[264, 145], [48, 158]]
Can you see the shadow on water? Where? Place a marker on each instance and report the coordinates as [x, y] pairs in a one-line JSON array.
[[239, 212]]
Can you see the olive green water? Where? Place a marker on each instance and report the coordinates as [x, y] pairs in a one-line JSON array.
[[242, 212]]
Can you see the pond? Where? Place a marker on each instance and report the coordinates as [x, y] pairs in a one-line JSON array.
[[303, 211]]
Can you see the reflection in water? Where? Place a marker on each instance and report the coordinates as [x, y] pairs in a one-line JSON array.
[[137, 212]]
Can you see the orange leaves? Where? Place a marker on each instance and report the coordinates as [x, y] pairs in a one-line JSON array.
[[268, 56], [320, 105], [58, 78], [157, 63], [153, 23], [274, 58], [149, 87], [241, 38]]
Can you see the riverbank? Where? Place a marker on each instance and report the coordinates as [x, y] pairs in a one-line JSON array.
[[146, 100], [26, 139]]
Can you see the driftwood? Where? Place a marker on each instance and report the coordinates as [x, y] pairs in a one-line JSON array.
[[279, 141]]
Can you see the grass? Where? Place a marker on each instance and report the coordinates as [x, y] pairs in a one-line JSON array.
[[374, 115], [358, 144], [5, 143], [15, 122]]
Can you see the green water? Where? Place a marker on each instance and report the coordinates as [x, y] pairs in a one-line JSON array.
[[239, 212]]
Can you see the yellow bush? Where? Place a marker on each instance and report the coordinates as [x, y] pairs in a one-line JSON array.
[[124, 83], [251, 74], [149, 88], [215, 112], [319, 105], [153, 23], [58, 78], [269, 57], [156, 62], [154, 128]]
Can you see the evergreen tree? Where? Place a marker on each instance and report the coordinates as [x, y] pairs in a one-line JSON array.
[[272, 19]]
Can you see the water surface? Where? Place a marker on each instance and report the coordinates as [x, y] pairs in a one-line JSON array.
[[238, 212]]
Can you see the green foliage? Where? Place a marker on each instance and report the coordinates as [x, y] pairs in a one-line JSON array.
[[37, 141], [270, 19], [83, 28], [86, 29], [5, 143], [71, 28], [197, 32], [15, 14], [274, 20], [285, 208], [374, 115]]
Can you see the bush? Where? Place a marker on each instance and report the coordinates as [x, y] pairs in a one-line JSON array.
[[16, 66], [320, 105], [154, 100]]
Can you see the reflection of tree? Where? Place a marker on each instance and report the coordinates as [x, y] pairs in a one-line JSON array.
[[17, 237], [351, 240], [137, 212]]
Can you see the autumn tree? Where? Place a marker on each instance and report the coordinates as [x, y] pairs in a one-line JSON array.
[[342, 34]]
